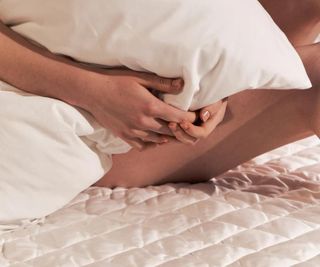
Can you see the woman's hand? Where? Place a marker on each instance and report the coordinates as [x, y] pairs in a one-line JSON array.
[[120, 100], [209, 118]]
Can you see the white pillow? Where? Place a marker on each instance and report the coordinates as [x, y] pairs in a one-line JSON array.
[[219, 47], [50, 151]]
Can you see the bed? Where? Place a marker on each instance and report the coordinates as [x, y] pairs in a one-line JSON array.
[[265, 212]]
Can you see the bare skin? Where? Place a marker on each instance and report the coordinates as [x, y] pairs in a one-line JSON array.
[[37, 71], [298, 19], [256, 121], [118, 98]]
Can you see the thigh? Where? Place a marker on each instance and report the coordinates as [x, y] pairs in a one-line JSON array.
[[256, 121], [298, 19]]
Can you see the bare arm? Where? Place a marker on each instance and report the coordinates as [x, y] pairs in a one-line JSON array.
[[38, 71], [107, 94]]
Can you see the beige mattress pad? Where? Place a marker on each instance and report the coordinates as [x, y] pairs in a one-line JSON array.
[[265, 212]]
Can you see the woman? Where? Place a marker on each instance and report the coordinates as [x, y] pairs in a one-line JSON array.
[[256, 121]]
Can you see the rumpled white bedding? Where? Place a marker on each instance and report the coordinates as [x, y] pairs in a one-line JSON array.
[[263, 213], [215, 46], [49, 152]]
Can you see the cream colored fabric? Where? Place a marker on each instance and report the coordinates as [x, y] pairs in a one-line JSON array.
[[49, 153], [55, 151], [219, 47], [263, 213]]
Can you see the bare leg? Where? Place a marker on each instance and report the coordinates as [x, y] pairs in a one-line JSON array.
[[298, 19], [257, 121]]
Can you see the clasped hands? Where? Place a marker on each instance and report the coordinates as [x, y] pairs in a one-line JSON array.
[[121, 101]]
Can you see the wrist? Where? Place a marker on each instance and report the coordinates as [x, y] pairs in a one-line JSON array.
[[70, 82], [88, 84], [79, 91]]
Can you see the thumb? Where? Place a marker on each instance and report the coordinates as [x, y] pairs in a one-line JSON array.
[[165, 85], [209, 111]]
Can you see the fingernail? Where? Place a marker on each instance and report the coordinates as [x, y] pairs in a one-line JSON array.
[[164, 140], [177, 83], [205, 116]]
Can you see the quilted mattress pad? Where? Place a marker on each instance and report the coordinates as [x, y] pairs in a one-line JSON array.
[[265, 212]]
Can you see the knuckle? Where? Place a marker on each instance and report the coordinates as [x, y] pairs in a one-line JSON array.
[[163, 81], [150, 108], [141, 121]]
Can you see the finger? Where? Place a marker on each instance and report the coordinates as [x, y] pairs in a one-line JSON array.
[[165, 85], [173, 139], [159, 114], [151, 80], [194, 131], [148, 136], [133, 141], [140, 145], [137, 144], [172, 114], [181, 135], [206, 128], [158, 126], [208, 111]]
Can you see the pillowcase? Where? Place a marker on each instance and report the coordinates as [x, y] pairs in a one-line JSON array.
[[219, 47]]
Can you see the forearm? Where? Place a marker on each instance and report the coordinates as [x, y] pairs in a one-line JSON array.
[[36, 70]]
